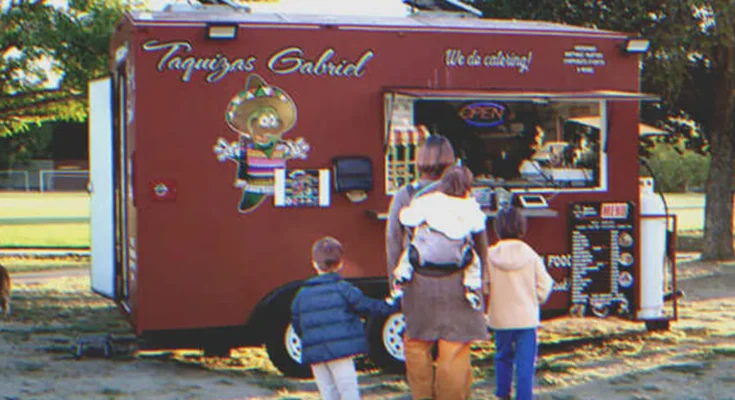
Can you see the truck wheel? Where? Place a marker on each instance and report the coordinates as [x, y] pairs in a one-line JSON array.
[[658, 325], [284, 349], [214, 350], [385, 335]]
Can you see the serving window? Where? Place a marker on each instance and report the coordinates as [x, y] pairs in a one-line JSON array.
[[519, 143]]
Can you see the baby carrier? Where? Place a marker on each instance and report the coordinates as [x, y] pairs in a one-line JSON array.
[[432, 249]]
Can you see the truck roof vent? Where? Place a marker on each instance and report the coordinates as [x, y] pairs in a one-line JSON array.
[[443, 8], [208, 5]]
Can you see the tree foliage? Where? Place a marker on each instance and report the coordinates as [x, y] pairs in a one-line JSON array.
[[47, 56], [677, 169], [690, 63], [18, 150]]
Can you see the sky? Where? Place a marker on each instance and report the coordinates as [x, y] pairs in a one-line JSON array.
[[360, 7]]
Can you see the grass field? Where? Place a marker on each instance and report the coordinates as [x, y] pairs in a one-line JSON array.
[[61, 219], [689, 210], [44, 220]]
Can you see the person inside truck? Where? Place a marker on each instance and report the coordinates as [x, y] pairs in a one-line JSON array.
[[434, 306], [489, 151]]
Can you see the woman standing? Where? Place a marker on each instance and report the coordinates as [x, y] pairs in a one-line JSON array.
[[434, 303]]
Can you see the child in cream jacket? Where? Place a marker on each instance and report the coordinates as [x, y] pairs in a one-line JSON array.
[[519, 284]]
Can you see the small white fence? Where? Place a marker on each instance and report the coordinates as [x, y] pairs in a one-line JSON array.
[[45, 181], [46, 178], [15, 180]]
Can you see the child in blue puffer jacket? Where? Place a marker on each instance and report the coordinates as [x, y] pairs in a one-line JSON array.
[[326, 315]]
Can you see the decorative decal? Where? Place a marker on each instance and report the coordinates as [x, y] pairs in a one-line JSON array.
[[584, 59], [614, 210], [625, 239], [483, 114], [292, 60], [558, 260], [177, 56], [217, 66], [121, 53], [260, 114], [577, 310], [302, 188], [130, 88], [626, 259], [488, 59], [160, 190], [623, 307], [600, 309], [163, 190], [625, 279], [561, 286]]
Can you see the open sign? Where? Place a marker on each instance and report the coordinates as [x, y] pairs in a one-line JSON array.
[[483, 114]]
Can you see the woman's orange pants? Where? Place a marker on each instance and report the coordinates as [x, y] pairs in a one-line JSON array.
[[449, 379]]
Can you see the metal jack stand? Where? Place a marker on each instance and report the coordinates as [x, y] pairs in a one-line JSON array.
[[103, 345]]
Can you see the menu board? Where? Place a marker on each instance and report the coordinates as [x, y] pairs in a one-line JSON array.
[[602, 258]]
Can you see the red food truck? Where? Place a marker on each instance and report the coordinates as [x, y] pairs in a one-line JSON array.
[[224, 143]]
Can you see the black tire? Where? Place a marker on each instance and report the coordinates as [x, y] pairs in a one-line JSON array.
[[385, 336], [277, 346], [216, 350], [658, 325]]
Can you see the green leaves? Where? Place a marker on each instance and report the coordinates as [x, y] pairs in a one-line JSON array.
[[47, 56], [686, 37]]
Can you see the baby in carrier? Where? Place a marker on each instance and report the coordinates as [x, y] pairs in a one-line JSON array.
[[441, 224]]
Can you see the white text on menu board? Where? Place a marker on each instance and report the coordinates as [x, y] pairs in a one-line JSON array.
[[179, 56], [488, 59]]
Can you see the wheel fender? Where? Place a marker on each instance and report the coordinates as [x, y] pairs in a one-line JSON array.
[[276, 301]]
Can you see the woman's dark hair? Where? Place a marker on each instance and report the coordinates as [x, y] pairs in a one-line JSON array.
[[510, 224], [456, 181], [434, 156]]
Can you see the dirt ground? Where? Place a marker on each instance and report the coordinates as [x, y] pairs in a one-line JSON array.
[[579, 359]]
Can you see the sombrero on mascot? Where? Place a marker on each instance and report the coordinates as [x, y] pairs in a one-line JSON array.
[[261, 114]]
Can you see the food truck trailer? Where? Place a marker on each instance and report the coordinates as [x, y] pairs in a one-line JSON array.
[[224, 143]]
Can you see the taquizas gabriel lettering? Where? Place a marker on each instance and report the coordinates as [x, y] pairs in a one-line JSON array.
[[177, 56]]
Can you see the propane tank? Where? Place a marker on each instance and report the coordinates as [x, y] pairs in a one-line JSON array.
[[652, 251]]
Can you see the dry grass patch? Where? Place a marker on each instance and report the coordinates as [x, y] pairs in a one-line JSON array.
[[65, 306], [21, 264]]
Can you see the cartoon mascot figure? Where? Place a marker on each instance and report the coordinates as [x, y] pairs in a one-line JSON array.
[[260, 114]]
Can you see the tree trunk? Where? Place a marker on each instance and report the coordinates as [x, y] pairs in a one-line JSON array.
[[718, 207]]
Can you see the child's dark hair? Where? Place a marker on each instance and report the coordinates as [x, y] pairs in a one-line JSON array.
[[327, 254], [510, 223], [456, 181]]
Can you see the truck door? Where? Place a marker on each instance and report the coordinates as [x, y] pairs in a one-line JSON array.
[[122, 171], [102, 225]]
